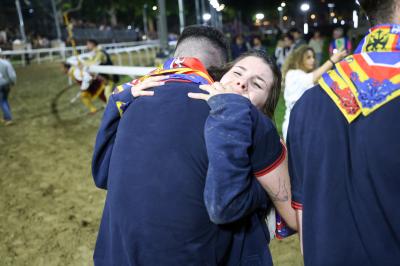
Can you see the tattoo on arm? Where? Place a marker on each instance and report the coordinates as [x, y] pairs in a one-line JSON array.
[[282, 194]]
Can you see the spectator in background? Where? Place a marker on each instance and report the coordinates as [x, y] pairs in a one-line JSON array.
[[339, 42], [7, 78], [3, 36], [239, 47], [317, 43], [257, 44], [283, 49], [298, 37], [300, 74]]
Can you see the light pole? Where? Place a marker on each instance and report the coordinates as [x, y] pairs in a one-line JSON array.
[[181, 15], [213, 13], [203, 7], [280, 10], [198, 12], [145, 29], [304, 8], [162, 26], [220, 21], [21, 21], [57, 22]]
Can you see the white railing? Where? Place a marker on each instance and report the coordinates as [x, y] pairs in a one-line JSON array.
[[144, 53], [62, 53], [121, 70], [133, 71]]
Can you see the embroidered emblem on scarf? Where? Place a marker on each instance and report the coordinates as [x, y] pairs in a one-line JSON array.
[[365, 81]]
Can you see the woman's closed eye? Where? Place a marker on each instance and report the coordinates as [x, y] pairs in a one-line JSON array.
[[237, 73], [258, 86]]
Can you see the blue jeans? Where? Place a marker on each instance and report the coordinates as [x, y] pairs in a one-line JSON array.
[[5, 107]]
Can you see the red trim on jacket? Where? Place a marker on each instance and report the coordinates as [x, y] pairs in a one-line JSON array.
[[274, 165], [297, 206]]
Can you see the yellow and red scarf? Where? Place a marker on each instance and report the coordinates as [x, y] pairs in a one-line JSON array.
[[365, 81], [180, 69]]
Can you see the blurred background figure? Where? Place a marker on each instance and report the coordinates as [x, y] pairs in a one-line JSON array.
[[7, 79], [257, 44], [3, 37], [298, 37], [317, 43], [239, 46], [101, 57], [300, 74], [91, 87], [284, 47], [339, 42]]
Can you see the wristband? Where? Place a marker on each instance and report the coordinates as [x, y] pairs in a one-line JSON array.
[[330, 60]]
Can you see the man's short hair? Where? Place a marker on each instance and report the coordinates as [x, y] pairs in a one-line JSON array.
[[93, 41], [378, 11], [211, 34]]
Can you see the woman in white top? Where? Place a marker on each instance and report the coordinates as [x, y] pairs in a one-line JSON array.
[[300, 75]]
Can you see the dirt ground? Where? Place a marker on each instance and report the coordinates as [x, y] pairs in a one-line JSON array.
[[49, 207]]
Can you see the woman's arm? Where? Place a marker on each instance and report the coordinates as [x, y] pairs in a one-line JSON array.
[[335, 58], [277, 185]]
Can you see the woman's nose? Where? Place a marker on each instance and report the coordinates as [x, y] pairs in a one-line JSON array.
[[241, 85]]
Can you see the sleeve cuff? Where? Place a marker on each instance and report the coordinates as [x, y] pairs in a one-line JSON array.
[[275, 164], [297, 205]]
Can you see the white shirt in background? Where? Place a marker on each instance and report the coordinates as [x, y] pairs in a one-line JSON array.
[[296, 83]]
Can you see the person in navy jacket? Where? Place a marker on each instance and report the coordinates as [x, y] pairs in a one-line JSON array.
[[344, 152]]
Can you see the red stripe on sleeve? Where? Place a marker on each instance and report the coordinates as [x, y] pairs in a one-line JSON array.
[[274, 165], [296, 205]]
